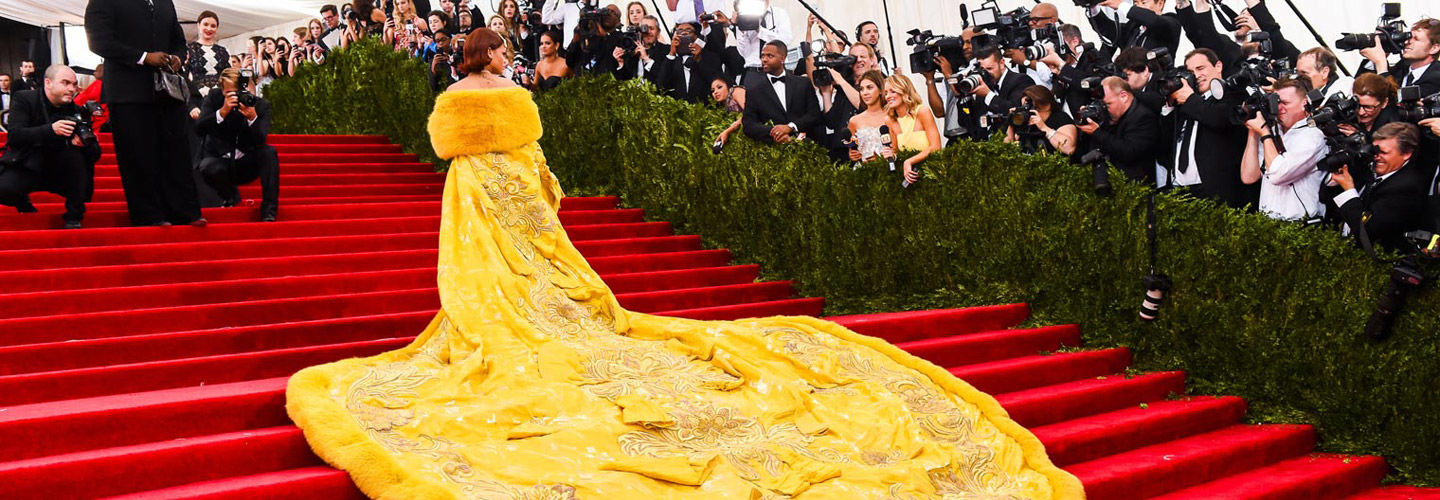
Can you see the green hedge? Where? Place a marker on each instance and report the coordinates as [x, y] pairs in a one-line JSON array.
[[1266, 310], [365, 89], [1261, 309]]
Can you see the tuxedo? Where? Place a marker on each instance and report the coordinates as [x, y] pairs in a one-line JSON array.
[[1006, 93], [23, 83], [688, 77], [1129, 142], [1200, 29], [1387, 208], [151, 143], [5, 97], [835, 114], [37, 159], [764, 108], [1137, 27], [1208, 142], [234, 151]]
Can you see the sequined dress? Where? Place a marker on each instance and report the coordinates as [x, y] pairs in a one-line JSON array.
[[532, 382]]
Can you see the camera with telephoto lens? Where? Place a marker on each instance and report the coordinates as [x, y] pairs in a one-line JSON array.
[[1171, 78], [928, 46], [1327, 114], [1020, 115], [529, 14], [1352, 150], [1095, 110], [1413, 108], [82, 117], [1099, 171], [967, 84], [242, 90], [1392, 31], [632, 37]]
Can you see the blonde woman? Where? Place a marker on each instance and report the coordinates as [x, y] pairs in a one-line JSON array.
[[405, 27], [917, 131]]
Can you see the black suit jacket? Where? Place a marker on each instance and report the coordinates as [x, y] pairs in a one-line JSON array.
[[1130, 142], [1200, 29], [222, 137], [670, 76], [763, 110], [1141, 28], [1429, 81], [1008, 91], [122, 31], [1218, 146], [1393, 206], [21, 83], [31, 132]]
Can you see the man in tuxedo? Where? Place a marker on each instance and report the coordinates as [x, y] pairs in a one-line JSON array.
[[1001, 88], [27, 80], [5, 91], [1208, 145], [43, 150], [1137, 23], [1129, 138], [1416, 66], [778, 107], [690, 66], [334, 27], [649, 56], [233, 147], [594, 44], [137, 38], [1139, 71], [1393, 203]]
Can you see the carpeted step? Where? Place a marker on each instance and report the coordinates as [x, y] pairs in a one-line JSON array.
[[292, 158], [695, 298], [115, 471], [789, 307], [1027, 372], [290, 180], [108, 138], [326, 148], [57, 258], [270, 267], [1310, 477], [51, 204], [326, 212], [1060, 402], [323, 168], [1174, 465], [917, 325], [300, 484], [1398, 493], [1089, 438], [252, 190], [964, 349]]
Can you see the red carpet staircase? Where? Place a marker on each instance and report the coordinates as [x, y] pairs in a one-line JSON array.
[[151, 362]]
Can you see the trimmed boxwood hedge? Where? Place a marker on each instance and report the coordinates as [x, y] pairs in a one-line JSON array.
[[1266, 310]]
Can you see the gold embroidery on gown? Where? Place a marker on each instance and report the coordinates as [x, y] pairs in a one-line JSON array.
[[533, 383]]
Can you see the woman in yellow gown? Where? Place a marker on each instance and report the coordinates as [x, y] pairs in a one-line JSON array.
[[533, 383]]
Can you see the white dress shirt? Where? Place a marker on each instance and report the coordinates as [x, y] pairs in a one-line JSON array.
[[685, 10], [557, 12], [1415, 74], [1290, 185], [774, 25]]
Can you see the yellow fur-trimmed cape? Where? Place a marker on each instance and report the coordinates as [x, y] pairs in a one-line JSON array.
[[472, 122]]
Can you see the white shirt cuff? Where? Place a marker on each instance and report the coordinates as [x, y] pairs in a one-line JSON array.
[[142, 59], [1345, 197]]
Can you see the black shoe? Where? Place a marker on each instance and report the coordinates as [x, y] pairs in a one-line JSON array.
[[72, 225], [267, 218], [25, 207], [201, 222]]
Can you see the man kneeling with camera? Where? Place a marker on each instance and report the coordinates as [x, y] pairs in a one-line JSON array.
[[233, 126], [1392, 204], [51, 147]]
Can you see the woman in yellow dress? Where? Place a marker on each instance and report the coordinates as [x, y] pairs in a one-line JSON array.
[[533, 383], [918, 131]]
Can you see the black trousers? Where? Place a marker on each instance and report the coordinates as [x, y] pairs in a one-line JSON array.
[[65, 172], [224, 175], [153, 152]]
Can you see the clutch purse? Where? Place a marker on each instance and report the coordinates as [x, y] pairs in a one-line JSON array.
[[173, 85]]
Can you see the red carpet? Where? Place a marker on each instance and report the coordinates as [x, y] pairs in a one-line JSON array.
[[151, 362]]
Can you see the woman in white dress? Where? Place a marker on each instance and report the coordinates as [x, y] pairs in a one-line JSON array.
[[865, 127]]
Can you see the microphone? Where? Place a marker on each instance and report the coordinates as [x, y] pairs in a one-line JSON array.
[[885, 140], [964, 16]]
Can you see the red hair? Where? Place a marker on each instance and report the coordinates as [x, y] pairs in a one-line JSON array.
[[478, 45]]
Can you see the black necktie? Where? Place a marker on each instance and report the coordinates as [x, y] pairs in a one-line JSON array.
[[1183, 162]]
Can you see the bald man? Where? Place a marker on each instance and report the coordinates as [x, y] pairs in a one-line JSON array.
[[45, 150]]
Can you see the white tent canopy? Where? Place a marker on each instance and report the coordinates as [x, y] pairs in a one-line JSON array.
[[278, 17]]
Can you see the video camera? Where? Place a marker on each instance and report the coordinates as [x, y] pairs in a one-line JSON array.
[[1392, 31], [928, 46], [82, 118], [632, 37], [1413, 108]]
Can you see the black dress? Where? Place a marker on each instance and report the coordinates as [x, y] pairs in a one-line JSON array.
[[550, 83], [1033, 140]]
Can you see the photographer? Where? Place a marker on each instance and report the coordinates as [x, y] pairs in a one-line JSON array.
[[442, 68], [1080, 63], [644, 60], [233, 127], [1198, 23], [1136, 66], [1129, 136], [1417, 66], [774, 25], [1208, 144], [689, 68], [1320, 66], [1001, 88], [868, 34], [1374, 105], [1289, 181], [48, 149], [838, 99], [1393, 203], [1040, 125], [595, 42], [1124, 24]]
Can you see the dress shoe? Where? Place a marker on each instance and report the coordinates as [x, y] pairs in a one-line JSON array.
[[155, 224], [25, 207], [72, 225], [201, 222], [267, 218]]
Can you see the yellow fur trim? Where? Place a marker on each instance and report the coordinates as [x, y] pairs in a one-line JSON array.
[[472, 122]]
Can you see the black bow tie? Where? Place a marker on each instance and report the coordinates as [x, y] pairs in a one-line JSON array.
[[777, 79]]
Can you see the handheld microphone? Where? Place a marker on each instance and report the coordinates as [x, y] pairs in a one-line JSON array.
[[885, 140]]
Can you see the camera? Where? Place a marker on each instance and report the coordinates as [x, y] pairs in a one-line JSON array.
[[968, 83], [632, 37], [1352, 150], [1170, 77], [928, 46], [1392, 31], [683, 49], [83, 128], [1328, 115], [1088, 4], [242, 90], [839, 62], [1095, 110], [1413, 108], [1099, 171]]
